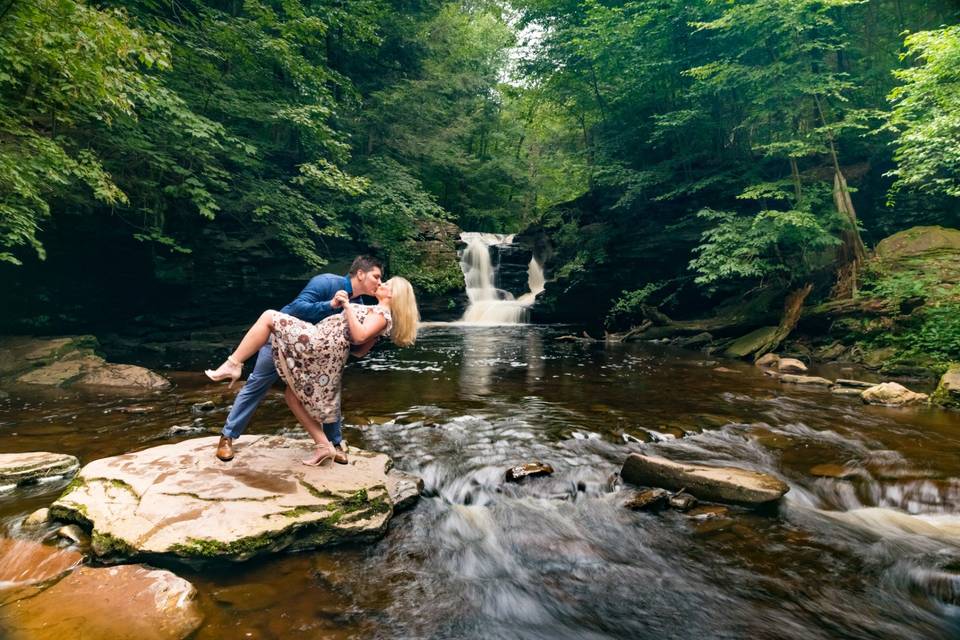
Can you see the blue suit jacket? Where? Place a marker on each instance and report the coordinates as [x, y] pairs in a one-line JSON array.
[[313, 303]]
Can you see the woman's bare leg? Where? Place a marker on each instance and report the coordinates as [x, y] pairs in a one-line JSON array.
[[256, 337], [314, 428]]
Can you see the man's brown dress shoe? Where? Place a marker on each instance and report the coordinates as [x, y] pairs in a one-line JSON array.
[[340, 457], [225, 449]]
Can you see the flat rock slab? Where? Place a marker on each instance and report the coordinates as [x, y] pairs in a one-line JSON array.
[[724, 484], [128, 602], [35, 466], [798, 379], [179, 500]]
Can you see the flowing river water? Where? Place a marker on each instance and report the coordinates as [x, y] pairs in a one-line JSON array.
[[874, 554]]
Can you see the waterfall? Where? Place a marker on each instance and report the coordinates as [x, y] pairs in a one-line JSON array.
[[488, 304]]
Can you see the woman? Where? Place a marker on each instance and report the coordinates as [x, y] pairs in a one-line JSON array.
[[310, 358]]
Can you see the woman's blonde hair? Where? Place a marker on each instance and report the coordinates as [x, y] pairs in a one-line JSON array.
[[403, 308]]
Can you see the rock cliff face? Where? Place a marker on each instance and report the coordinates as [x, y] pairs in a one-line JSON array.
[[179, 500]]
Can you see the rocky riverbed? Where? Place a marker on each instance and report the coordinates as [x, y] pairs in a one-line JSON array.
[[523, 528]]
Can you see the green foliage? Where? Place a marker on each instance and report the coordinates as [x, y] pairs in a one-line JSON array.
[[926, 114], [626, 308], [930, 333], [780, 245], [394, 214], [62, 64]]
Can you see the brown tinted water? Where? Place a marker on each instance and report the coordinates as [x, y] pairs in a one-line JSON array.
[[875, 554]]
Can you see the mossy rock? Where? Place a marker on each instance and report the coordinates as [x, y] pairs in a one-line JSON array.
[[748, 344], [948, 391], [178, 500], [917, 241]]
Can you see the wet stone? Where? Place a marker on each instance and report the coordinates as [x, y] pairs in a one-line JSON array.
[[725, 484], [179, 500], [37, 519], [528, 470], [73, 533], [708, 512], [128, 602], [24, 562], [833, 471], [683, 501], [846, 391], [649, 500], [854, 384], [248, 597], [203, 408], [892, 394], [811, 380], [790, 365], [767, 360], [26, 468]]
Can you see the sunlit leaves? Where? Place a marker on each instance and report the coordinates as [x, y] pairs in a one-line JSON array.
[[926, 114]]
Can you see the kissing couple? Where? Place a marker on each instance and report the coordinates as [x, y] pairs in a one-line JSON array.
[[307, 343]]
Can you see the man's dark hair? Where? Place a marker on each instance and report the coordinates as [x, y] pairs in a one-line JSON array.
[[365, 263]]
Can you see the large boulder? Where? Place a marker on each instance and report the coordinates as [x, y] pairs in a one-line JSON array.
[[948, 391], [918, 240], [724, 484], [69, 361], [179, 500], [35, 466], [128, 602], [892, 394]]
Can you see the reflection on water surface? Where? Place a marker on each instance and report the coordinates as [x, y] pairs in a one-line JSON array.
[[864, 546]]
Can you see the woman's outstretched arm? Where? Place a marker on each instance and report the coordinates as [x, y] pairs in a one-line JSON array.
[[361, 332]]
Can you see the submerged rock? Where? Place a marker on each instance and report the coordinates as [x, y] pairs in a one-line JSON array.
[[846, 391], [892, 394], [25, 562], [833, 471], [26, 468], [649, 500], [128, 602], [854, 384], [797, 379], [528, 470], [179, 500], [724, 484], [948, 391]]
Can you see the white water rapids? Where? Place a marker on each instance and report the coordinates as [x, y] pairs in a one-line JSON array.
[[488, 304]]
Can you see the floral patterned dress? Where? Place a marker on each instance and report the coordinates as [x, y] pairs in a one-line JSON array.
[[310, 357]]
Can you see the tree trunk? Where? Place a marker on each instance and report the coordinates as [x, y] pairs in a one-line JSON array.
[[792, 308]]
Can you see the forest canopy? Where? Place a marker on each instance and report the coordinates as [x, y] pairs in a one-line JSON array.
[[683, 149]]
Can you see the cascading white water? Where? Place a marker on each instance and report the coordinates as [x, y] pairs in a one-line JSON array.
[[488, 304]]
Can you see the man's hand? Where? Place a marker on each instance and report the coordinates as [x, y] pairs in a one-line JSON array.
[[340, 298]]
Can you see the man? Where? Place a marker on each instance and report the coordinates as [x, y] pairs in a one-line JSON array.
[[318, 300]]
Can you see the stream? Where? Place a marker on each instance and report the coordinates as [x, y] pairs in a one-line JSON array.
[[865, 545]]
